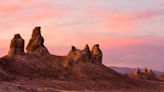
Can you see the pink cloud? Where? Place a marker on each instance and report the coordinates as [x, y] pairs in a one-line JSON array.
[[28, 11], [123, 21], [5, 9]]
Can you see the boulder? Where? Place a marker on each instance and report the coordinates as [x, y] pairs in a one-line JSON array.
[[36, 43], [16, 45]]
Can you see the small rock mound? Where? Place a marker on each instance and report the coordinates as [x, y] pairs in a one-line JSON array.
[[16, 45], [136, 73], [147, 74], [36, 43]]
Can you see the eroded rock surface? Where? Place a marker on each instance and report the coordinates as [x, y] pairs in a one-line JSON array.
[[74, 54], [36, 43], [16, 45], [147, 74], [86, 54], [136, 73], [96, 54]]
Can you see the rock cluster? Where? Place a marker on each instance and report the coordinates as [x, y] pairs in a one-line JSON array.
[[36, 43], [147, 74], [36, 46], [16, 46], [94, 56], [136, 73]]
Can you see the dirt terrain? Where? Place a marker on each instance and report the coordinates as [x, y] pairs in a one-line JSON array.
[[31, 73]]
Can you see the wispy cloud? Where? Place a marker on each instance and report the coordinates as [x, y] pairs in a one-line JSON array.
[[123, 21]]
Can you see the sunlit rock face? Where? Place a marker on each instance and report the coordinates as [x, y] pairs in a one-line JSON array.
[[96, 54], [75, 55], [147, 74], [85, 55], [16, 45], [136, 74], [36, 43]]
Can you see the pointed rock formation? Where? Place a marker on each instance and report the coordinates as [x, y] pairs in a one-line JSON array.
[[73, 48], [96, 54], [86, 54], [36, 43], [147, 74], [146, 70], [16, 45], [135, 74], [74, 54], [138, 71], [152, 73]]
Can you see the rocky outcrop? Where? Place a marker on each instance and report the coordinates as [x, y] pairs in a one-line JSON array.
[[146, 70], [86, 55], [36, 43], [147, 74], [36, 46], [136, 73], [96, 54], [16, 45], [74, 55], [152, 73]]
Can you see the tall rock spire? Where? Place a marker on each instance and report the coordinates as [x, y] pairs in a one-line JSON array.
[[86, 54], [16, 45], [36, 43], [96, 54]]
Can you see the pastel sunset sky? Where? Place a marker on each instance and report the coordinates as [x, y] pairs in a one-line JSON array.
[[130, 32]]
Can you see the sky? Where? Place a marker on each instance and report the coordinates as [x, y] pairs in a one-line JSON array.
[[130, 32]]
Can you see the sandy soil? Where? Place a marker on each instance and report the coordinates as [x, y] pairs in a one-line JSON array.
[[14, 87]]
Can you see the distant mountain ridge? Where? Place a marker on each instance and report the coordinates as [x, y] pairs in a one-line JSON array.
[[126, 70]]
